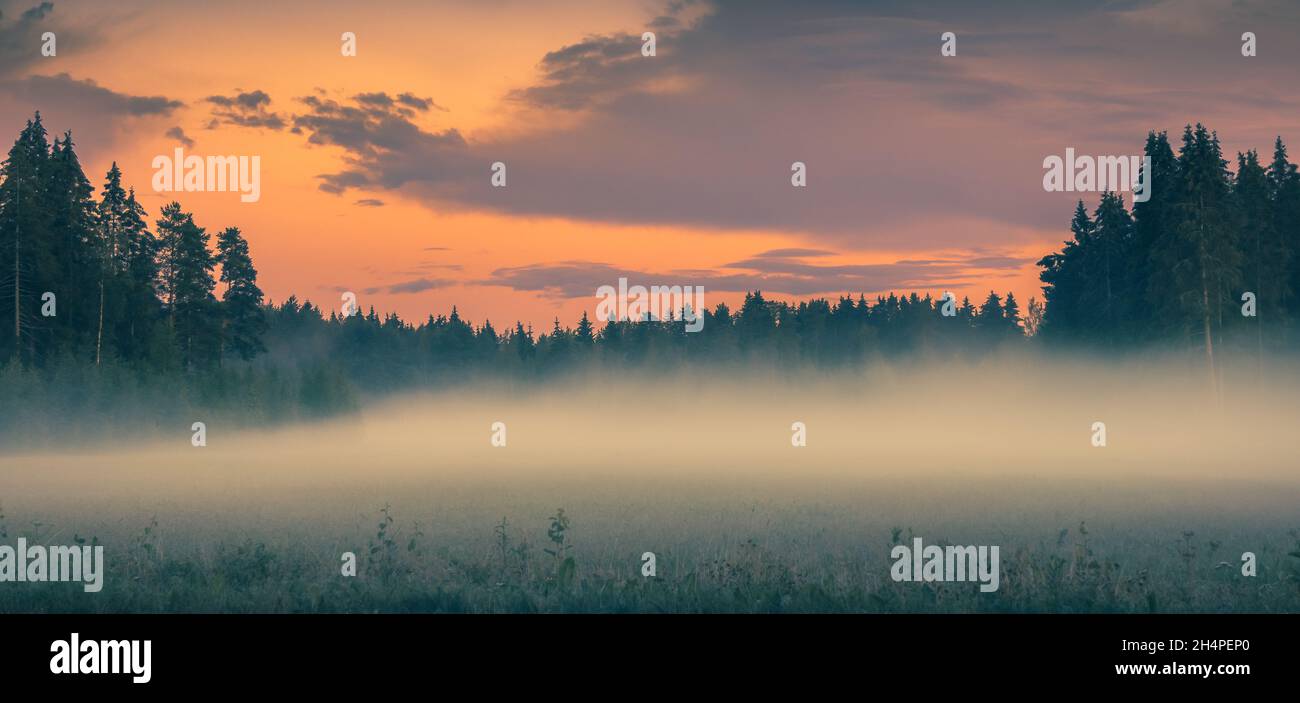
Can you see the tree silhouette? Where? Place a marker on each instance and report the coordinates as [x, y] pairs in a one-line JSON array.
[[241, 310]]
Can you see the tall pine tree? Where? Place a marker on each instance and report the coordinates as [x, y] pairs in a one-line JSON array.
[[241, 303], [185, 278]]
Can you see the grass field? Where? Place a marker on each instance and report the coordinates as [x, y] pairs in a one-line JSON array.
[[452, 552], [738, 519]]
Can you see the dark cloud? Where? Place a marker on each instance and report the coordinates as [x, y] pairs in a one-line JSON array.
[[245, 109], [417, 285], [89, 97], [787, 253], [405, 104], [179, 135], [20, 44], [98, 115], [900, 142], [385, 149], [370, 202], [340, 182], [597, 69], [255, 100]]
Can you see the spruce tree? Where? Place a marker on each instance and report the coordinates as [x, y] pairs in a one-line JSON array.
[[138, 330], [1064, 276], [1107, 298], [991, 320], [1284, 196], [1201, 254], [28, 265], [112, 215], [241, 302], [1264, 271], [584, 335], [1153, 222], [1011, 314], [185, 270]]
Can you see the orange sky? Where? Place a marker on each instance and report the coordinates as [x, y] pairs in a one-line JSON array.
[[469, 57]]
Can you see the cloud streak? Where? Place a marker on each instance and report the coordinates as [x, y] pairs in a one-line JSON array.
[[783, 274]]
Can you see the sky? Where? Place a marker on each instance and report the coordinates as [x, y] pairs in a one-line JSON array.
[[924, 172]]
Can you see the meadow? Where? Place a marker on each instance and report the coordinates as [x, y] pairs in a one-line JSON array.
[[701, 472]]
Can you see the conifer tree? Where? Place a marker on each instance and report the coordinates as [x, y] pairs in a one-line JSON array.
[[138, 328], [241, 303], [29, 265], [1153, 222], [1011, 313], [584, 335], [1264, 271], [185, 271], [1284, 196], [1202, 259], [1065, 292], [112, 218], [1106, 296], [990, 319]]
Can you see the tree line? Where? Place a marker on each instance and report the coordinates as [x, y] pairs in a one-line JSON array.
[[87, 280], [122, 293], [387, 350], [1212, 255]]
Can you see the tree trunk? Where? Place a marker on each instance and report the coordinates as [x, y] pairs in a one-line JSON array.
[[18, 287], [18, 275], [1110, 316], [1209, 336], [99, 337], [1259, 300], [1207, 319]]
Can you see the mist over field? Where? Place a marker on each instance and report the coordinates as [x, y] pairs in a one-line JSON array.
[[695, 465]]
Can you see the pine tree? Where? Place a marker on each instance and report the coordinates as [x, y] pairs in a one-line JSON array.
[[1153, 222], [1011, 314], [113, 212], [241, 303], [138, 327], [1065, 289], [1284, 196], [990, 320], [80, 271], [522, 341], [454, 343], [185, 272], [557, 344], [1264, 272], [1201, 255], [966, 311], [754, 322], [486, 341], [29, 263], [1104, 258], [584, 335]]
